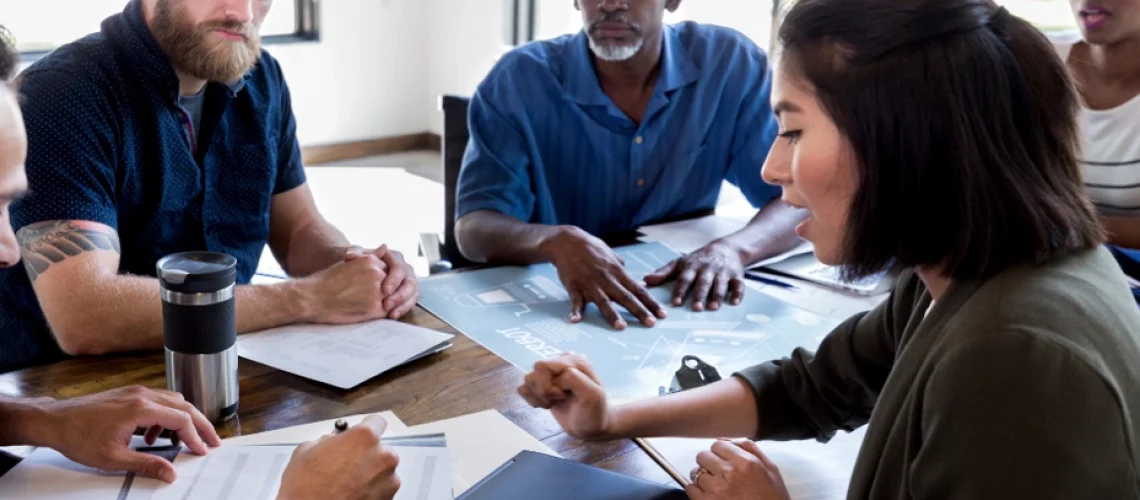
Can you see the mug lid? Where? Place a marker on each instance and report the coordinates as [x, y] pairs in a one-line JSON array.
[[197, 272]]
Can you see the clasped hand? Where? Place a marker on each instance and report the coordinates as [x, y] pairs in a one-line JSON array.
[[369, 284]]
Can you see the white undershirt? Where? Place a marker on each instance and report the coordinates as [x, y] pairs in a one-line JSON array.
[[1110, 155]]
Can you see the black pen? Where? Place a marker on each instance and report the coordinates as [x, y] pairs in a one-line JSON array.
[[754, 276]]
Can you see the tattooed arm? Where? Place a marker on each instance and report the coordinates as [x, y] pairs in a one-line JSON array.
[[93, 310]]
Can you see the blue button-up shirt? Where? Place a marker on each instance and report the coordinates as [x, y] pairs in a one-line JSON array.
[[109, 143], [549, 146]]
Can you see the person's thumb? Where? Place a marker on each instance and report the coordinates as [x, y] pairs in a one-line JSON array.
[[580, 385], [662, 275], [145, 465], [354, 252]]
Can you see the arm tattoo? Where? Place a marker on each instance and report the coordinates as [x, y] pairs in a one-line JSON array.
[[51, 242]]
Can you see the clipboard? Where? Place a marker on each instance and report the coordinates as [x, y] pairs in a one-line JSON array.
[[560, 479]]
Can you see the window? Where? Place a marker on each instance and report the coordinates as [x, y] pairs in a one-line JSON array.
[[38, 27], [1050, 16], [751, 17]]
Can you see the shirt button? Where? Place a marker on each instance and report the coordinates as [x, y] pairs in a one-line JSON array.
[[638, 139], [640, 182]]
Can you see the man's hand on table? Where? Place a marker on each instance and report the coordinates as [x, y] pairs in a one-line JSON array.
[[96, 430], [593, 273], [400, 289], [368, 285], [709, 277]]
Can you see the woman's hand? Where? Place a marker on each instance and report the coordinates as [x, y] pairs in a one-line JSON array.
[[736, 470], [569, 388]]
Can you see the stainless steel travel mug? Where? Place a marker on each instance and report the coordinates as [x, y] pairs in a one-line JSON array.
[[200, 330]]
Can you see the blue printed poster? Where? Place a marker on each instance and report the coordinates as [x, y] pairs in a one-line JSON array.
[[521, 314]]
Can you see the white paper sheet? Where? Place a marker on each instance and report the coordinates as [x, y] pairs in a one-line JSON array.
[[689, 235], [47, 474], [803, 248], [343, 356], [254, 473], [227, 473], [313, 431], [820, 299], [231, 472], [811, 470], [480, 443]]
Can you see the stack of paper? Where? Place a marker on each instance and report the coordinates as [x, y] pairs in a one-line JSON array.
[[341, 355], [479, 442], [437, 461]]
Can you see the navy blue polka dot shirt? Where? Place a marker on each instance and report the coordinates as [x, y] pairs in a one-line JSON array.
[[109, 143]]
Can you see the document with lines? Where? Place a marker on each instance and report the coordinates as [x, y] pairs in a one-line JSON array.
[[227, 473], [254, 472]]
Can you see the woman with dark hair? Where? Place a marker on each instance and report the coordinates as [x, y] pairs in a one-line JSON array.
[[938, 137]]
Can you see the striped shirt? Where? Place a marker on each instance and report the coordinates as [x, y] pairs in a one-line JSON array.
[[1111, 153], [548, 146]]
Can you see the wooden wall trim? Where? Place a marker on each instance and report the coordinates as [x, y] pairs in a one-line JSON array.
[[315, 155]]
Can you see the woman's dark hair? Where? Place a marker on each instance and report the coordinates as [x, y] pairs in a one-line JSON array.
[[963, 124], [8, 56]]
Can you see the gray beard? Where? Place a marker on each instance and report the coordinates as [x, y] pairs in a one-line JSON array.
[[615, 53]]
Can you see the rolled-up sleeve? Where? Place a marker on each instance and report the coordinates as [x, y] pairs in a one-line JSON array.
[[495, 174], [812, 395], [756, 131]]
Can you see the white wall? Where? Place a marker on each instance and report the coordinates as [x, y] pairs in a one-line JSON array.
[[381, 65], [365, 78], [465, 39]]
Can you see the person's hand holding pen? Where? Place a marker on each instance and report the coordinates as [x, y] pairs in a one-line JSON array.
[[352, 463], [96, 430]]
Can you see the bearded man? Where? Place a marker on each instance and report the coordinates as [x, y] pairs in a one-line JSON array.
[[170, 130], [626, 123]]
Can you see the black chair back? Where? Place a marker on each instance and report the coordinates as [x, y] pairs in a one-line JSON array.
[[454, 144]]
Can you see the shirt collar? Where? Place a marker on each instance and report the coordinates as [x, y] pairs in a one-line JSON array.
[[133, 35], [581, 80]]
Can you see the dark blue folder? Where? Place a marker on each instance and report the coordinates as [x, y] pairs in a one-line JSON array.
[[531, 475]]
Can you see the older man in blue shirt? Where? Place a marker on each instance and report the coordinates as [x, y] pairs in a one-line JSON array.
[[626, 123], [170, 130]]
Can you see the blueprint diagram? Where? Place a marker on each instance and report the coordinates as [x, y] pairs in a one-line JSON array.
[[521, 314]]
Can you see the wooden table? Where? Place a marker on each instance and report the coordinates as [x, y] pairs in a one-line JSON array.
[[463, 379]]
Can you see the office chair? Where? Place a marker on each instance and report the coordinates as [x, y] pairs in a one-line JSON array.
[[444, 255]]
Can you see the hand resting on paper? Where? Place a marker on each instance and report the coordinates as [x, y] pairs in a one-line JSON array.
[[736, 470], [593, 273], [710, 277], [351, 465], [96, 430]]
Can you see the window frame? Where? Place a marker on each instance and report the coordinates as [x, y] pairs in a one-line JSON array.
[[306, 28]]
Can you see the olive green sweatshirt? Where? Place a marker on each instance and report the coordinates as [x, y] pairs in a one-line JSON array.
[[1026, 385]]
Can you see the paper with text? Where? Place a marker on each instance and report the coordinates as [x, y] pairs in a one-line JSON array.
[[343, 356], [480, 443]]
